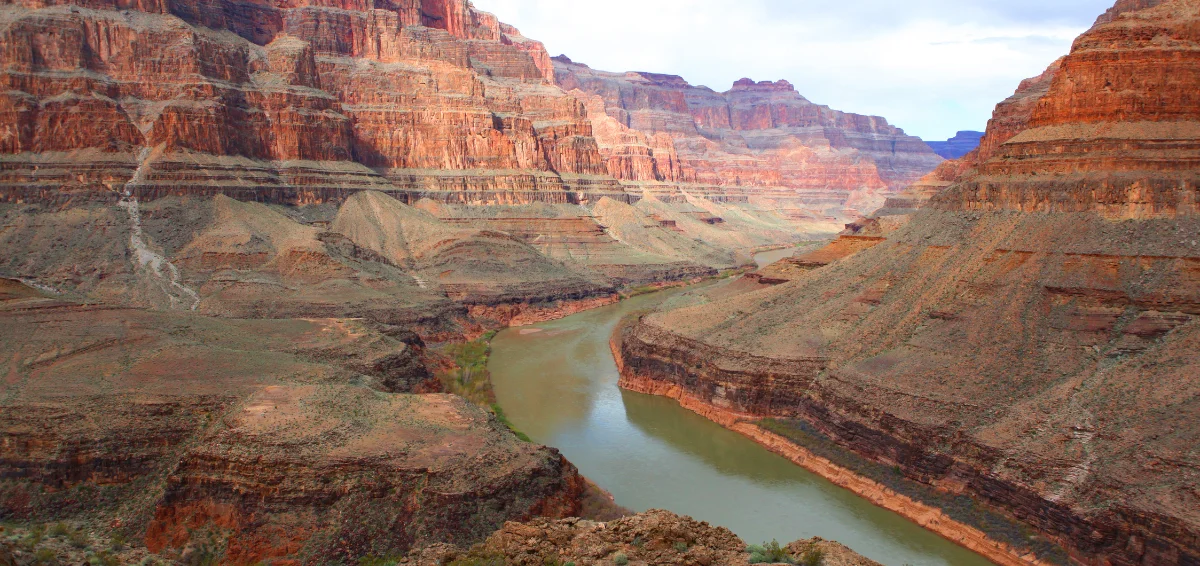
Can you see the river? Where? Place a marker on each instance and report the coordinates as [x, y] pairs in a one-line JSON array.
[[558, 383]]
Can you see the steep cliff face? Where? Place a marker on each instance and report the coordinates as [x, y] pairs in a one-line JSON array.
[[289, 102], [1025, 338], [760, 137], [1012, 116], [1117, 130]]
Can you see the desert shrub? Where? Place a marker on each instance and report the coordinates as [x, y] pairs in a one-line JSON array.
[[58, 530], [118, 541], [681, 546], [104, 558], [769, 553], [478, 558], [45, 556], [620, 559], [79, 539], [813, 557]]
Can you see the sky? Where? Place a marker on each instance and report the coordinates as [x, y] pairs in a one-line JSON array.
[[932, 67]]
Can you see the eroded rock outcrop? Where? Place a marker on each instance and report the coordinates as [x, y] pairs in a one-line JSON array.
[[1025, 338], [653, 537], [281, 439]]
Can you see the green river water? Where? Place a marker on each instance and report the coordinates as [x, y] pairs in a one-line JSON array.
[[558, 383]]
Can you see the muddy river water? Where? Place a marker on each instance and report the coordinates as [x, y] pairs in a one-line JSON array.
[[558, 383]]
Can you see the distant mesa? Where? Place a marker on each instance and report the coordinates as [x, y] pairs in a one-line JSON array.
[[962, 143]]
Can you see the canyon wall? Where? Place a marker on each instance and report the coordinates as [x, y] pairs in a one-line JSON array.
[[295, 102], [758, 138], [1027, 337]]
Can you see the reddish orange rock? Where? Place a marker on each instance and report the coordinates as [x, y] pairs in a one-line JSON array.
[[759, 137]]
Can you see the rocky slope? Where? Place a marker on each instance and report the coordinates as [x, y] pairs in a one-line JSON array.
[[653, 537], [760, 137], [1027, 337], [279, 439]]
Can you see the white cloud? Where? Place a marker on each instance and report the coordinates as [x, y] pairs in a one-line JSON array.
[[930, 66]]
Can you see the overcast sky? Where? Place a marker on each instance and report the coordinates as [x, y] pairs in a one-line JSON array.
[[932, 67]]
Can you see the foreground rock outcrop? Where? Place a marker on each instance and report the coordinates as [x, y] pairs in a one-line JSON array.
[[653, 537], [1027, 338], [292, 440]]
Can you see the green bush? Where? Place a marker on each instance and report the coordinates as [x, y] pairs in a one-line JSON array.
[[620, 559], [769, 553], [681, 546]]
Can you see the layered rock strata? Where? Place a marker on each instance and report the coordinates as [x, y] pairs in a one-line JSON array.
[[289, 102], [761, 137], [1024, 339], [282, 439], [1010, 117]]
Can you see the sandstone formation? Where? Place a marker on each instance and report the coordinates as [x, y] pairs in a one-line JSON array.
[[1027, 338], [962, 143], [1010, 118], [282, 439], [759, 138], [293, 102]]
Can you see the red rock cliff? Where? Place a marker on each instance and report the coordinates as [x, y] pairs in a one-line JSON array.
[[760, 135], [284, 101]]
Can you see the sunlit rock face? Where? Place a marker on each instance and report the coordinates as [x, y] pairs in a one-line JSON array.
[[290, 102], [759, 137]]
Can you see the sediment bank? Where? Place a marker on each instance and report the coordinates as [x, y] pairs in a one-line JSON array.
[[928, 517]]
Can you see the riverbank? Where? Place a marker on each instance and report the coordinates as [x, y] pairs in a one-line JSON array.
[[558, 383], [929, 517]]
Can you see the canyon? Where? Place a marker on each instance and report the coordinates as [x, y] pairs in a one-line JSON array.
[[240, 239], [1020, 328]]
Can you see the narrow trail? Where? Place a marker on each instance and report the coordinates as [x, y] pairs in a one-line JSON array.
[[145, 258]]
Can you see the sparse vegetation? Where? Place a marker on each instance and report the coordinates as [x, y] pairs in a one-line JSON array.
[[813, 557], [620, 559], [79, 539], [45, 556], [469, 378], [681, 546], [769, 553], [475, 558], [503, 418], [377, 561]]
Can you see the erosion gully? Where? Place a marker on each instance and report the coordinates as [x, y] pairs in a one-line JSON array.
[[558, 383]]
